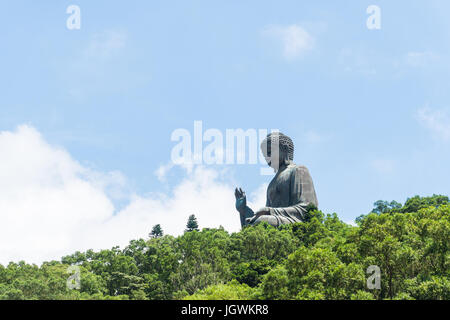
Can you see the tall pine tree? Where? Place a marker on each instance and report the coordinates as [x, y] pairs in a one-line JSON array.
[[191, 224], [157, 231]]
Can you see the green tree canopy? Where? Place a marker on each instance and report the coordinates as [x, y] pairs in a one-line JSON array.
[[322, 258]]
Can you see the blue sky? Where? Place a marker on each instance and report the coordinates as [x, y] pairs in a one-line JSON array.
[[368, 110]]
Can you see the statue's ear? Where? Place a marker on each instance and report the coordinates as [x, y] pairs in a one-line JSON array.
[[284, 156]]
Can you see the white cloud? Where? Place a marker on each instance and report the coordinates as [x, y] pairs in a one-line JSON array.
[[258, 197], [50, 205], [295, 40], [437, 121], [163, 170]]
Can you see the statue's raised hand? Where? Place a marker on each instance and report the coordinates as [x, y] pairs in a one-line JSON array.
[[241, 199], [241, 206]]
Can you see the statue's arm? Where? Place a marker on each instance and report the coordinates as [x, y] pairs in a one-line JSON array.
[[302, 194], [245, 214]]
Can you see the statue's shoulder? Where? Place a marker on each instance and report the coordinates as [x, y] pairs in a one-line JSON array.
[[299, 171], [298, 167]]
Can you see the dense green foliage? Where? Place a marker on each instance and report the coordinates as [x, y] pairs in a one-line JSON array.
[[322, 258]]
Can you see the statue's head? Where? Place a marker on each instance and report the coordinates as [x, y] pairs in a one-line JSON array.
[[278, 149]]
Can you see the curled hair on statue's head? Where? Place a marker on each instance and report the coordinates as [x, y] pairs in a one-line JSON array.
[[280, 140]]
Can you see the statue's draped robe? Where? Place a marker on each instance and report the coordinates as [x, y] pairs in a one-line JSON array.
[[289, 194]]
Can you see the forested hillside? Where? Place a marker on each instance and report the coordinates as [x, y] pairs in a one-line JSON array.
[[322, 258]]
